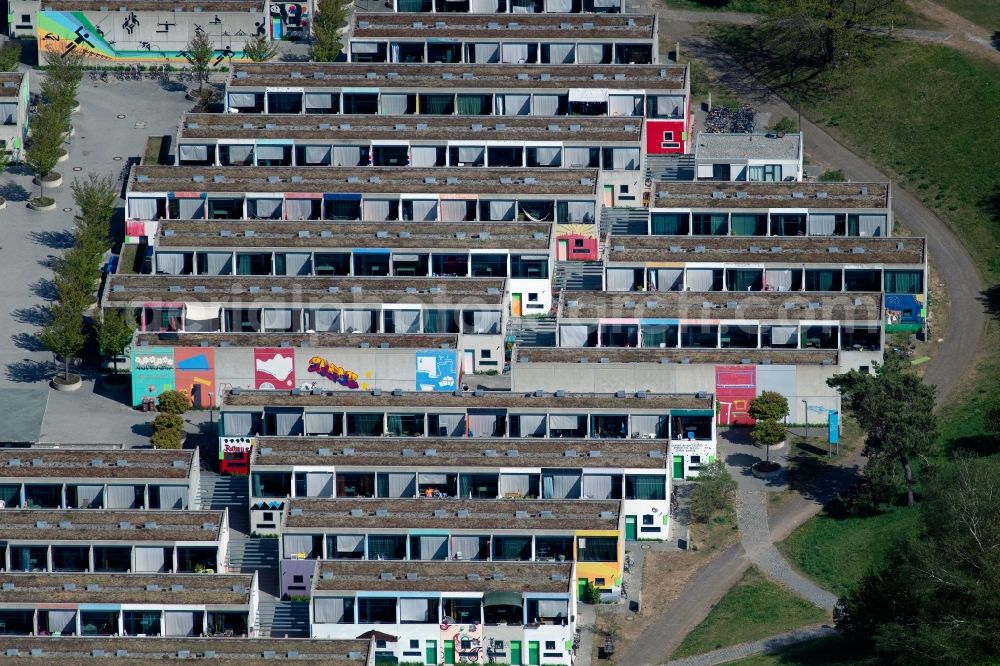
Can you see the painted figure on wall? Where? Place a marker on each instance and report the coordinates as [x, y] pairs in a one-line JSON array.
[[274, 369]]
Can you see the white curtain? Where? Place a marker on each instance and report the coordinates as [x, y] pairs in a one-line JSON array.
[[468, 546], [277, 319], [580, 212], [666, 279], [482, 6], [297, 263], [236, 424], [514, 53], [376, 210], [317, 154], [561, 485], [287, 423], [173, 497], [433, 547], [669, 106], [700, 279], [515, 104], [364, 47], [620, 279], [423, 156], [598, 486], [822, 224], [178, 623], [532, 425], [264, 209], [319, 423], [319, 484], [358, 320], [170, 263], [393, 104], [573, 335], [295, 544], [346, 155], [120, 497], [299, 209], [625, 158], [191, 209], [270, 153], [486, 53], [425, 210], [219, 263], [483, 424], [871, 225], [559, 6], [402, 484], [325, 100], [502, 210], [242, 100], [562, 54], [89, 497], [484, 321], [452, 424], [550, 608], [413, 610], [545, 105], [406, 321], [576, 157], [240, 154], [778, 279], [648, 424], [62, 622], [548, 156], [453, 210], [330, 610], [350, 543], [622, 105], [783, 335], [149, 560], [564, 421], [470, 154], [142, 209], [326, 321], [517, 484], [193, 153], [589, 54]]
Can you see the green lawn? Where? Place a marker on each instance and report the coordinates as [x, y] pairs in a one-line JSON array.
[[820, 652], [837, 552], [754, 6], [984, 12], [754, 608]]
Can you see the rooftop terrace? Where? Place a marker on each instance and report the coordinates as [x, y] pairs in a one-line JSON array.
[[709, 146], [715, 194], [95, 463], [656, 355], [363, 575], [335, 340], [524, 26], [110, 525], [161, 588]]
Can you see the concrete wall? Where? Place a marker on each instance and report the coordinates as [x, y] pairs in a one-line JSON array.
[[14, 136]]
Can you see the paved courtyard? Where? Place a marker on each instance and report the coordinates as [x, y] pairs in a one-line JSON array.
[[111, 126]]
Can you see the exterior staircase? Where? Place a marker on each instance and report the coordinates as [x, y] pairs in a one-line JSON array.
[[578, 276], [255, 555], [670, 167], [620, 221], [283, 619], [533, 331]]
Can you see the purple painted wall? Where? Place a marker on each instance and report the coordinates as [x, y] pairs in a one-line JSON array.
[[290, 570]]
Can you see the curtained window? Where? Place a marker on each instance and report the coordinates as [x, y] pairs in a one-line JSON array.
[[483, 423], [748, 224], [173, 497], [190, 209], [589, 54], [346, 546], [149, 560], [121, 497], [142, 209], [242, 100], [625, 105], [397, 484], [286, 422], [778, 279], [386, 547], [179, 623], [449, 425], [579, 212], [301, 209], [486, 53], [620, 279], [431, 547], [545, 105], [237, 424], [515, 484], [598, 486], [784, 336], [548, 156], [264, 209], [324, 101], [822, 224], [277, 320], [645, 487], [188, 153], [579, 157], [624, 159], [871, 225], [414, 611], [512, 548], [299, 544], [552, 608], [319, 484], [666, 279], [423, 156], [317, 155], [649, 424], [532, 425], [904, 282], [468, 547], [239, 154], [62, 622], [470, 154], [562, 54], [359, 321], [170, 263], [454, 210], [377, 210], [347, 155], [333, 610], [573, 335], [326, 321], [514, 53], [560, 485], [393, 104], [89, 497], [321, 423], [700, 279], [424, 210], [513, 104], [218, 263], [406, 321]]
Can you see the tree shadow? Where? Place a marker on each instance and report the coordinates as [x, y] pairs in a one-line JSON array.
[[990, 298], [29, 372], [28, 342], [172, 85], [57, 240], [816, 477], [294, 57], [983, 445], [990, 205], [143, 429], [45, 289], [14, 192], [36, 315]]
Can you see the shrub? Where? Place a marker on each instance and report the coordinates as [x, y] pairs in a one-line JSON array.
[[167, 421], [166, 439], [785, 124], [591, 594], [713, 491], [833, 176], [174, 402]]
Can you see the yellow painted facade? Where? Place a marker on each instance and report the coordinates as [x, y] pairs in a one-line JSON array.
[[611, 572]]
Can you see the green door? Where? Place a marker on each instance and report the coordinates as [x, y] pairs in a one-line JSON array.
[[630, 532], [449, 652], [431, 653], [534, 654], [515, 653], [678, 467]]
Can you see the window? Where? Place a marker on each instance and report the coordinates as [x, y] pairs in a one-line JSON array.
[[600, 582], [624, 189], [269, 516], [298, 579], [25, 18], [376, 611], [486, 353], [550, 645], [380, 644], [597, 549], [695, 460], [647, 519], [532, 298], [415, 644]]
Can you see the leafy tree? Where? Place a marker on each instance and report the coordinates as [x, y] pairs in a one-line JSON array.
[[10, 56], [4, 160], [114, 333], [828, 33], [95, 196], [76, 275], [200, 52], [173, 402], [45, 147], [714, 491], [168, 431], [63, 334], [935, 600], [767, 410], [896, 410], [260, 49], [329, 18]]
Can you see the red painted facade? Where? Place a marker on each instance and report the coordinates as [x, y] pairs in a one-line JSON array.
[[577, 247], [664, 137], [735, 387]]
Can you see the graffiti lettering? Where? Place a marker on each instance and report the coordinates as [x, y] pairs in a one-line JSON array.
[[333, 372]]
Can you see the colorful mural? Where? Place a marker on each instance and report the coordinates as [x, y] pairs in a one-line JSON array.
[[152, 372], [333, 372], [904, 313], [467, 642], [437, 370], [735, 387], [274, 369], [194, 374]]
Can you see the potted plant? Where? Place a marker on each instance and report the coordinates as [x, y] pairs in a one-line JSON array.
[[768, 409]]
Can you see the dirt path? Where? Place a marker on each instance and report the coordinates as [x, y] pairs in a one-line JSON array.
[[964, 35]]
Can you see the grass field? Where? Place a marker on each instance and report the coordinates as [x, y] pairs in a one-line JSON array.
[[753, 608], [984, 12], [820, 652], [837, 552], [754, 6]]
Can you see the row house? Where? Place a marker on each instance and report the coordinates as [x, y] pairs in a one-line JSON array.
[[520, 252], [72, 650], [74, 478], [657, 93], [110, 541], [14, 103], [105, 604], [450, 612], [473, 308], [753, 157], [610, 144], [482, 39], [587, 532], [630, 467], [682, 208]]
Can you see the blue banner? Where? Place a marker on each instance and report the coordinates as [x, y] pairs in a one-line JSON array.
[[834, 427]]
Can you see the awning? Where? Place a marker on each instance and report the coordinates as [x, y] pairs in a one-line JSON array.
[[202, 311], [502, 599], [588, 94]]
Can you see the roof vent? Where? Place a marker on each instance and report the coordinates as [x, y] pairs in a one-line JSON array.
[[574, 127], [586, 181], [121, 652], [776, 248], [208, 526], [371, 75], [606, 515], [124, 525], [327, 575], [36, 462], [178, 464], [742, 195], [447, 76], [95, 462], [597, 76], [619, 77], [357, 513], [381, 513], [833, 249], [152, 587], [41, 524], [430, 180], [198, 179], [822, 195], [149, 525], [430, 452], [392, 76], [176, 587], [520, 514], [421, 126], [295, 512], [544, 76], [718, 194], [273, 179], [93, 587], [345, 126], [471, 576], [65, 525], [522, 76], [655, 454], [798, 195], [539, 394], [468, 76], [569, 453], [512, 453], [385, 575], [557, 577], [506, 180], [411, 575], [864, 191], [8, 587], [857, 250], [326, 453], [900, 245], [96, 653]]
